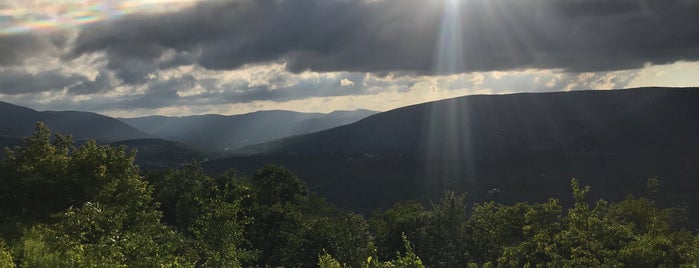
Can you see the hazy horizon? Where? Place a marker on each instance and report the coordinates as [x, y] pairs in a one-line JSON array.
[[318, 112]]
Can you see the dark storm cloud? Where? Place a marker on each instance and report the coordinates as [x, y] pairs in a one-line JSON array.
[[174, 92], [16, 48], [404, 35], [102, 82], [17, 82]]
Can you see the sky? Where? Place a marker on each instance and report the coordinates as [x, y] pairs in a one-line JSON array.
[[130, 58]]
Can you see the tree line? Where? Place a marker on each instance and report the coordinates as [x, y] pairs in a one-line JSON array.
[[90, 206]]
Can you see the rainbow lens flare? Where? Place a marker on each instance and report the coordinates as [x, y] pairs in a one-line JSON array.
[[23, 16]]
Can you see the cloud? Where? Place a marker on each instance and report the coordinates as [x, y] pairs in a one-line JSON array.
[[404, 35], [246, 52], [190, 87], [16, 49], [346, 82], [14, 82], [17, 81], [103, 82]]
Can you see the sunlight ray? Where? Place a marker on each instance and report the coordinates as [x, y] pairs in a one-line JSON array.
[[447, 149]]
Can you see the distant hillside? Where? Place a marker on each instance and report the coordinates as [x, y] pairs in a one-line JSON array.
[[519, 147], [218, 132], [9, 141], [157, 153], [18, 121], [489, 126]]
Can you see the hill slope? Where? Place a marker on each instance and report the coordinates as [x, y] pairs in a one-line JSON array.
[[18, 121], [218, 132], [157, 153], [519, 147], [496, 125]]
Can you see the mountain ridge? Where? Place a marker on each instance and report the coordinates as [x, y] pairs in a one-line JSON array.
[[221, 132], [526, 145], [19, 121]]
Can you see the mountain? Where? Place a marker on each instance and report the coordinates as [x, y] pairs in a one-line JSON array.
[[496, 125], [18, 121], [210, 132], [158, 153], [518, 147], [218, 132], [9, 141]]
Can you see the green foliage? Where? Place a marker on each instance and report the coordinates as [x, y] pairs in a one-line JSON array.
[[6, 260], [63, 206], [343, 234], [83, 206], [276, 185], [631, 233], [694, 255], [492, 226], [445, 243], [327, 261], [36, 251], [407, 260], [387, 226], [301, 224], [207, 211], [44, 178], [535, 243]]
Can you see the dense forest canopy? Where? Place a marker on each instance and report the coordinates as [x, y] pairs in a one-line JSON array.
[[90, 206]]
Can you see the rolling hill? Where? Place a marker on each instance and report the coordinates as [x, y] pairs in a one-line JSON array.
[[518, 147], [18, 121], [152, 136], [158, 153], [218, 132]]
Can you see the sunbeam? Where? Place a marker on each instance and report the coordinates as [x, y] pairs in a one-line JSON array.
[[450, 45], [446, 144]]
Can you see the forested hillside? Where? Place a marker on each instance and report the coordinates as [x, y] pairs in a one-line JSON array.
[[90, 206], [220, 132], [18, 121], [159, 153], [172, 141], [506, 148]]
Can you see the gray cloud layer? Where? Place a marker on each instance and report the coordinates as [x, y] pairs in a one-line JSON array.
[[404, 35], [352, 37], [17, 82]]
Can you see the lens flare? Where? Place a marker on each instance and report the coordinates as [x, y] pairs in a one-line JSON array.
[[26, 16]]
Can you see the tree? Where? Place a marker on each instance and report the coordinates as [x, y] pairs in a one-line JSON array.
[[6, 260], [445, 243], [492, 227], [407, 218], [208, 211], [87, 205], [276, 185], [403, 260], [630, 233], [292, 226]]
